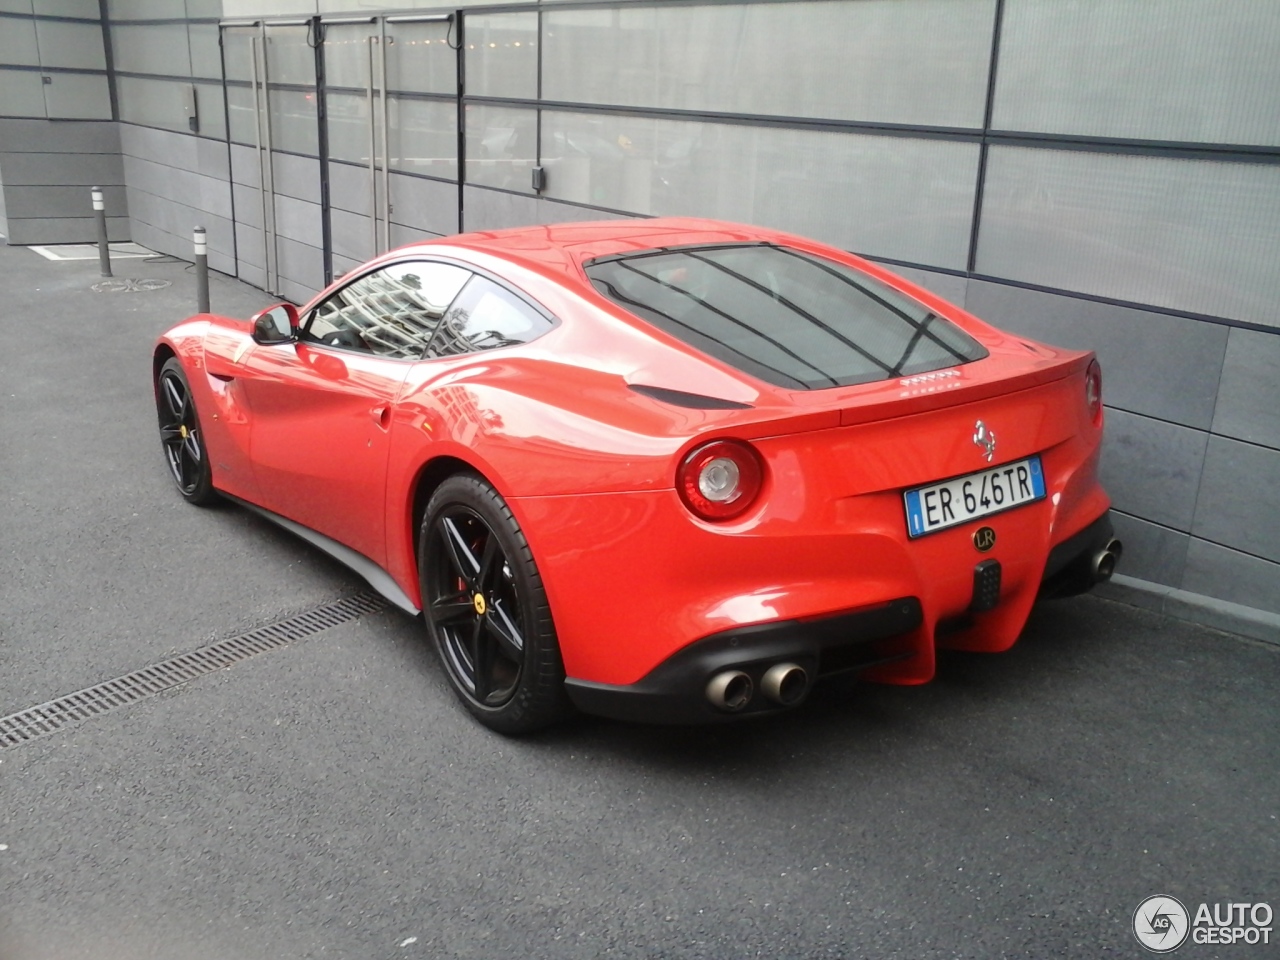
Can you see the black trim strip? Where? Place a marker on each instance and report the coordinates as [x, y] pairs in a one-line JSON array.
[[690, 401], [56, 18], [29, 68], [108, 54]]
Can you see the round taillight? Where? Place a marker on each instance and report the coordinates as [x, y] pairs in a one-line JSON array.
[[1093, 390], [720, 480]]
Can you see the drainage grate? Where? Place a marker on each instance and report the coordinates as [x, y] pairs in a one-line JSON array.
[[50, 717], [127, 285]]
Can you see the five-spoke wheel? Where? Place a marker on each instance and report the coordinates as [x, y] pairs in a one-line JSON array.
[[486, 610], [180, 435]]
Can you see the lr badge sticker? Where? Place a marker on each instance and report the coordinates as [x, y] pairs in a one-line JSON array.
[[1162, 924]]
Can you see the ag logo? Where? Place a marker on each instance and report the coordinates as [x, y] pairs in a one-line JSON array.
[[984, 538], [1161, 924]]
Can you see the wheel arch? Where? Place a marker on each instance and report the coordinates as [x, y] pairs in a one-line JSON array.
[[163, 354], [429, 477]]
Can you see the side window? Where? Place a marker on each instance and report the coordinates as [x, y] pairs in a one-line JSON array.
[[391, 312], [483, 317]]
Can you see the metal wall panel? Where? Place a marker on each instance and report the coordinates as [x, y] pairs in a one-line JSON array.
[[162, 103], [75, 45], [151, 48], [21, 93], [1177, 383], [895, 197], [18, 42], [1193, 235], [77, 96], [1248, 406], [918, 62], [1181, 70]]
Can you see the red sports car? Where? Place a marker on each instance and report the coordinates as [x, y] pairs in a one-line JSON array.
[[673, 470]]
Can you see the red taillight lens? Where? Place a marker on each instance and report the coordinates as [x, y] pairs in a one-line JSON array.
[[721, 479], [1093, 391]]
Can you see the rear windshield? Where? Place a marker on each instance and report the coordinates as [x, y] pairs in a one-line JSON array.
[[787, 317]]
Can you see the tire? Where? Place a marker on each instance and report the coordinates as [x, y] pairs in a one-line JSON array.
[[181, 436], [486, 611]]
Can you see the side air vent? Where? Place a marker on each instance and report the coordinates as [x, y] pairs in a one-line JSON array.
[[691, 401]]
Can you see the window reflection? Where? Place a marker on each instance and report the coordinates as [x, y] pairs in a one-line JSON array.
[[391, 312], [486, 316]]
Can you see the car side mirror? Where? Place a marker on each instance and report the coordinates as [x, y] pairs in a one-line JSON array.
[[278, 324]]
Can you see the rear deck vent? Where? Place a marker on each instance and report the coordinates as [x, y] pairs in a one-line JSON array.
[[45, 718]]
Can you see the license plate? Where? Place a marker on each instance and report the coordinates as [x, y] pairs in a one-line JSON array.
[[952, 502]]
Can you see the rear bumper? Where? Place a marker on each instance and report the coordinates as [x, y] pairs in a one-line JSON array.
[[857, 640], [675, 690]]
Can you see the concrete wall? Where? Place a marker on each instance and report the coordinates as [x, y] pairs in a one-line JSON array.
[[53, 71], [48, 169]]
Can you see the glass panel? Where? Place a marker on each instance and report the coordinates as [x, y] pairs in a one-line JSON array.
[[391, 312], [419, 58], [897, 197], [348, 126], [237, 50], [501, 146], [70, 45], [290, 58], [1195, 235], [153, 48], [346, 55], [18, 42], [486, 316], [241, 114], [787, 317], [21, 94], [502, 55], [1182, 70], [268, 8], [923, 62], [293, 122], [424, 136]]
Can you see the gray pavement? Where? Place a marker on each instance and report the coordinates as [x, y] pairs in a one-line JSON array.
[[329, 799]]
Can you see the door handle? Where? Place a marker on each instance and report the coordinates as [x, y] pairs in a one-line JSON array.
[[381, 415]]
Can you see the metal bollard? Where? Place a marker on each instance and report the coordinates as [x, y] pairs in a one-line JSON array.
[[100, 214], [202, 270]]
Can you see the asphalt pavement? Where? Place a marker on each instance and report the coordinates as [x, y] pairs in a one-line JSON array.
[[330, 799]]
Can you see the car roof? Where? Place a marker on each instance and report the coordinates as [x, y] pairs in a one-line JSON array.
[[566, 245]]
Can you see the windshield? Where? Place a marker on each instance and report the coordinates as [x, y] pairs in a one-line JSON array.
[[789, 318]]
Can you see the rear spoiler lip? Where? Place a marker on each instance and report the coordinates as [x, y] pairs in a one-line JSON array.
[[763, 422]]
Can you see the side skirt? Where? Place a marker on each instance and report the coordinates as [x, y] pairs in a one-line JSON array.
[[376, 577]]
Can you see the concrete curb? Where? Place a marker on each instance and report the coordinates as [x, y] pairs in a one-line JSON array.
[[1197, 608]]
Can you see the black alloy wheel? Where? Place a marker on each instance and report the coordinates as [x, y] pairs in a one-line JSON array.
[[486, 610], [181, 437]]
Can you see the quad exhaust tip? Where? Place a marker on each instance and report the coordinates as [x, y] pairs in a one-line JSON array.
[[784, 683], [730, 690], [1104, 561]]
